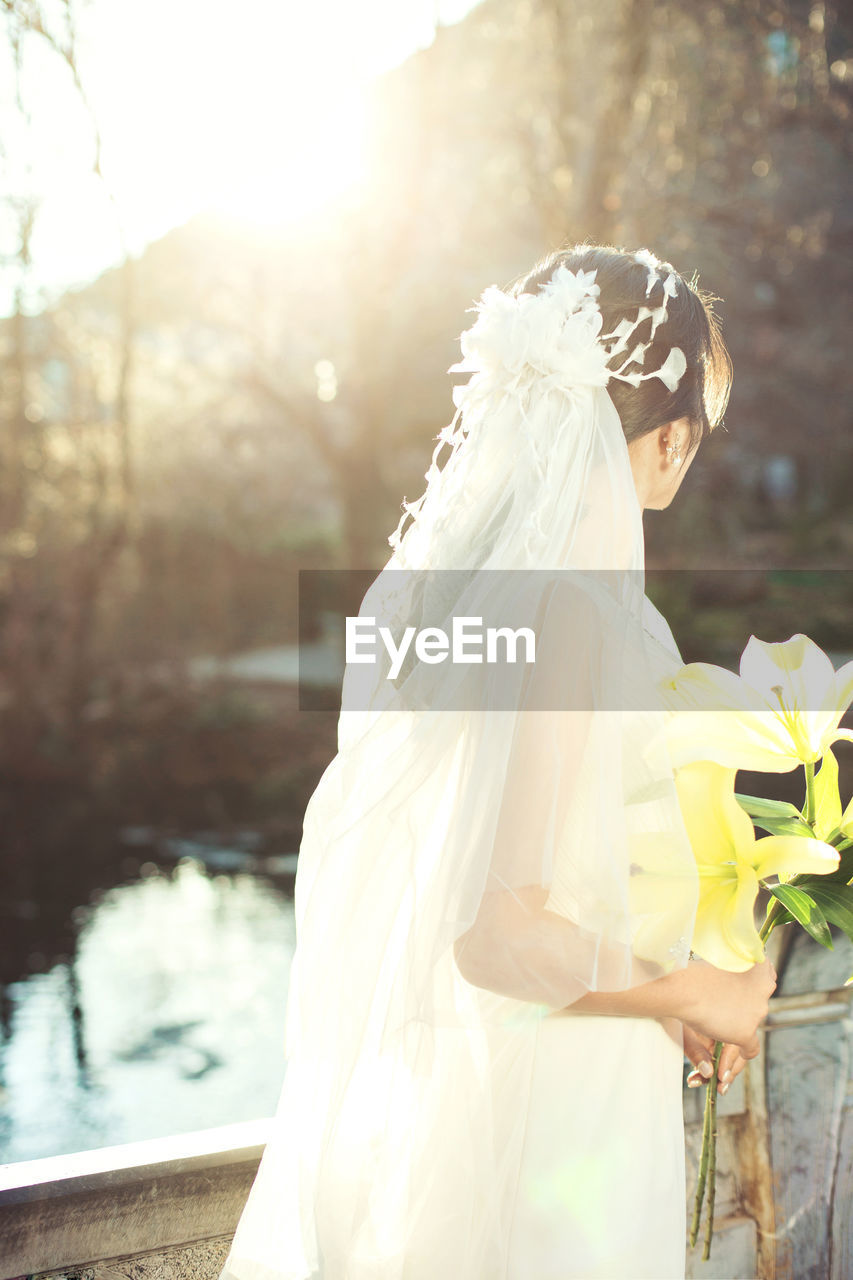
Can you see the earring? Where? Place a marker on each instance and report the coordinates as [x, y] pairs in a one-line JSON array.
[[674, 452]]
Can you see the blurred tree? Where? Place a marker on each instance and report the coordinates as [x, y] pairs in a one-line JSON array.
[[718, 135], [66, 484], [285, 388]]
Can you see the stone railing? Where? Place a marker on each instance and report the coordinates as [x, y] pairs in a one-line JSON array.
[[159, 1210]]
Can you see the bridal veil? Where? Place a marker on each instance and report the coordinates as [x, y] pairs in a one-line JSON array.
[[473, 859]]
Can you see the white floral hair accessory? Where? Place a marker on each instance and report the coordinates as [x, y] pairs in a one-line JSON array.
[[555, 335], [528, 421]]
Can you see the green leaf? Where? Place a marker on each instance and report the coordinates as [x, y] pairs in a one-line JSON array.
[[845, 822], [781, 915], [827, 799], [785, 826], [758, 807], [844, 872], [804, 909], [778, 817], [835, 901]]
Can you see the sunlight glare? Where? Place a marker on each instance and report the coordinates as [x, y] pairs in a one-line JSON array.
[[258, 115], [257, 112]]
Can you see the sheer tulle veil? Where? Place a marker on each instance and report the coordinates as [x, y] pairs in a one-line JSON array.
[[473, 858]]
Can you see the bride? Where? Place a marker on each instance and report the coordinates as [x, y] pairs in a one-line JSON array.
[[493, 990]]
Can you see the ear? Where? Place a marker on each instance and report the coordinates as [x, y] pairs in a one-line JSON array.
[[673, 440], [665, 442]]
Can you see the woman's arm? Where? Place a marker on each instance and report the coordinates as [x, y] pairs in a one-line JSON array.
[[670, 996], [518, 949]]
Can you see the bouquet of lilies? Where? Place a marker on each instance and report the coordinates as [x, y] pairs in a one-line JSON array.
[[781, 712]]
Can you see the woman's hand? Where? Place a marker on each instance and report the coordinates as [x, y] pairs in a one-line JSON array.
[[728, 1007], [699, 1049]]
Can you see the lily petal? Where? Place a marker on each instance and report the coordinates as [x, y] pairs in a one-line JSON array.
[[662, 892], [799, 671], [738, 920], [725, 933], [733, 739], [798, 664], [840, 695], [708, 939], [655, 924], [716, 824], [846, 821], [793, 855], [827, 798], [701, 686]]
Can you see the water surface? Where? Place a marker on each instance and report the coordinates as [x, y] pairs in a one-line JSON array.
[[168, 1017]]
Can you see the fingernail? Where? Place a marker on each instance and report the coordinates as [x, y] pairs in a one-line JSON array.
[[726, 1076], [724, 1088], [694, 1080], [706, 1068]]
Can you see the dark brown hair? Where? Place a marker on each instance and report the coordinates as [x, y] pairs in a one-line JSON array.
[[691, 324]]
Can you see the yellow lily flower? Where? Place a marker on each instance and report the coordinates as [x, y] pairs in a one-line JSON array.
[[828, 815], [782, 710], [731, 863]]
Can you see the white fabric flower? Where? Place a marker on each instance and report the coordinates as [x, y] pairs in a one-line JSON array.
[[497, 339], [555, 334], [672, 369], [647, 259]]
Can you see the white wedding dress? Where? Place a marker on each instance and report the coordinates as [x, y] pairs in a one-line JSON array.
[[591, 1171], [485, 848], [601, 1190]]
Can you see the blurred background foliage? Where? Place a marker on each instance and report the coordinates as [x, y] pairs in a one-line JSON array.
[[183, 434]]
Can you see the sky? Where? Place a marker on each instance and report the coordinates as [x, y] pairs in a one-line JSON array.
[[251, 110]]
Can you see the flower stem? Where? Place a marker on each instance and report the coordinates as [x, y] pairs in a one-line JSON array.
[[772, 913], [712, 1154], [707, 1158], [810, 798], [707, 1175], [702, 1174]]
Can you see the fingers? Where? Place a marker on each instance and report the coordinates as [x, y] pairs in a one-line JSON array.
[[724, 1070], [732, 1062], [699, 1050]]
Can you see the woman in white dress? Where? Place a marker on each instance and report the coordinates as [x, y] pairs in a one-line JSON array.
[[493, 992]]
